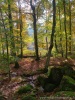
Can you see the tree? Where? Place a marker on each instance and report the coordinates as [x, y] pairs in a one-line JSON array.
[[6, 37], [35, 29], [70, 29], [65, 26], [11, 29], [60, 28], [21, 26], [52, 35]]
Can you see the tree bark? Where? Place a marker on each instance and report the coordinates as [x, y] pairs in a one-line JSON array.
[[11, 29], [65, 26], [21, 26], [35, 30], [6, 38], [52, 36], [60, 31], [70, 25]]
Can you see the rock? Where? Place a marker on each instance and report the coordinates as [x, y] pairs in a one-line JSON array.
[[41, 80], [49, 87], [67, 84], [40, 89], [13, 74], [67, 70], [55, 76]]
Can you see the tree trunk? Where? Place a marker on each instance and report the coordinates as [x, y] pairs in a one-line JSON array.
[[35, 30], [70, 26], [20, 18], [56, 44], [60, 31], [65, 25], [52, 35], [6, 38], [11, 29]]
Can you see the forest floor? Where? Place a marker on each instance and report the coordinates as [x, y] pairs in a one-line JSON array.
[[27, 65]]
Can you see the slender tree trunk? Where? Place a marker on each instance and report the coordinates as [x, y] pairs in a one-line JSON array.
[[11, 29], [70, 26], [46, 43], [46, 29], [6, 38], [56, 43], [65, 25], [35, 30], [2, 46], [52, 35], [21, 26], [60, 31]]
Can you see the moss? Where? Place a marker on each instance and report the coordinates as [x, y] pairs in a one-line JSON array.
[[65, 94], [41, 80], [1, 96], [24, 89], [55, 76], [28, 97], [67, 84], [67, 70]]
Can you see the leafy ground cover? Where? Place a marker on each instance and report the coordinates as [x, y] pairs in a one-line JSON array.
[[29, 65]]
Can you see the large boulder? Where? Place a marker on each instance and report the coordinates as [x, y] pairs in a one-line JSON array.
[[67, 84], [52, 81], [68, 70], [42, 81], [49, 87], [55, 76]]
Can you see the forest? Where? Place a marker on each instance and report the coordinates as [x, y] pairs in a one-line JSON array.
[[37, 49]]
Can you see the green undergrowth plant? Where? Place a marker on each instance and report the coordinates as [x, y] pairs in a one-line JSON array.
[[65, 94], [28, 97], [1, 96], [24, 89]]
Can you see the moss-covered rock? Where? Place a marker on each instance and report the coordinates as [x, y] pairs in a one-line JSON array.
[[24, 89], [68, 70], [42, 80], [67, 84], [55, 76], [49, 87]]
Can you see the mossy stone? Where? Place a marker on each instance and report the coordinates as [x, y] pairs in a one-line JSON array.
[[67, 84], [55, 76], [67, 70], [49, 87], [41, 80]]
